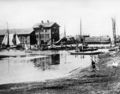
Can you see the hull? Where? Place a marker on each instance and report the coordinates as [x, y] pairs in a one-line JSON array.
[[61, 48], [90, 49], [86, 53]]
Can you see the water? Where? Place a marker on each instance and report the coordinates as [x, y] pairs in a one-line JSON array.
[[40, 68]]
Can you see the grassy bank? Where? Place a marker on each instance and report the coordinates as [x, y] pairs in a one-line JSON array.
[[104, 81]]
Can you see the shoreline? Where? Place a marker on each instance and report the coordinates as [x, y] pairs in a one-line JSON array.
[[81, 81]]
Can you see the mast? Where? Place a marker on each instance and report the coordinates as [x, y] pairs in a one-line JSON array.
[[39, 29], [80, 29], [114, 31], [64, 31], [8, 36], [81, 36]]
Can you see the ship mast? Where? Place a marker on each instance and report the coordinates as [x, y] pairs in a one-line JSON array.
[[81, 37], [8, 35], [64, 31], [114, 31], [80, 29]]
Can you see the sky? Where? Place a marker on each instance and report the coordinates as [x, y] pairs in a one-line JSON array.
[[95, 15]]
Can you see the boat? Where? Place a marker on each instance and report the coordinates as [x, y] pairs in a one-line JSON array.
[[56, 47], [84, 49], [86, 52], [11, 41], [114, 46], [11, 46]]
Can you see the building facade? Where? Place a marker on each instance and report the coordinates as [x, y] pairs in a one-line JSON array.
[[46, 33]]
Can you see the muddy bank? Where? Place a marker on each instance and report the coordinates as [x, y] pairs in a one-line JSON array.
[[104, 81]]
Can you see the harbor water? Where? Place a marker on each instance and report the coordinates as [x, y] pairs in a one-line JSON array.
[[40, 67]]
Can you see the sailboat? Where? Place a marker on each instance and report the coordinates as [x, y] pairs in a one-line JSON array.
[[84, 46], [114, 45], [11, 41], [11, 45], [84, 49]]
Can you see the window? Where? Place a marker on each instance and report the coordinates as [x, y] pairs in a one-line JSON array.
[[47, 36], [42, 36], [36, 36]]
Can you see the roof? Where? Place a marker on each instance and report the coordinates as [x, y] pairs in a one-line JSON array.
[[44, 24], [17, 31]]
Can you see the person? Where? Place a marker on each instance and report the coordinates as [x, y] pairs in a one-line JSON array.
[[77, 48], [114, 64], [93, 65]]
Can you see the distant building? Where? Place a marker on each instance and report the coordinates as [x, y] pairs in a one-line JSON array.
[[46, 33], [80, 38], [98, 39], [26, 36]]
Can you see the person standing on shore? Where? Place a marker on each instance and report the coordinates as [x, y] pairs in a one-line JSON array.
[[93, 64], [115, 64]]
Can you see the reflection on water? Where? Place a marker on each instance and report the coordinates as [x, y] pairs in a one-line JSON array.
[[45, 63], [40, 68]]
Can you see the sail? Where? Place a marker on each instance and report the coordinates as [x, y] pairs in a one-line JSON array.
[[5, 40], [26, 48], [49, 42], [10, 39], [17, 40]]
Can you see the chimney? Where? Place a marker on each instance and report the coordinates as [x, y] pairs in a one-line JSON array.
[[47, 21], [42, 22]]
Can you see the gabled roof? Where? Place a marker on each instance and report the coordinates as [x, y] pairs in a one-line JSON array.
[[17, 31], [45, 24]]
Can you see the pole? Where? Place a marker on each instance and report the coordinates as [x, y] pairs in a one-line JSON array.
[[65, 37], [80, 29], [39, 38], [81, 37], [8, 35], [64, 31], [114, 30]]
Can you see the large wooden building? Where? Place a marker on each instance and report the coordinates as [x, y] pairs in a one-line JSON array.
[[46, 33]]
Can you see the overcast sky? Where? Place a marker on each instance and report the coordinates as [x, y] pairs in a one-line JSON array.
[[95, 15]]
